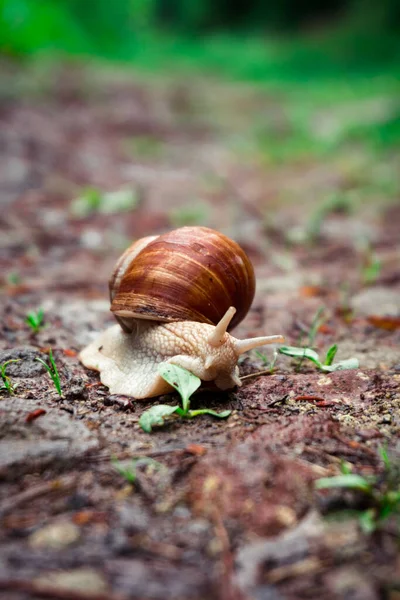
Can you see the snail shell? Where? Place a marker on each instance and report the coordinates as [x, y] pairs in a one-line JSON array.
[[188, 274]]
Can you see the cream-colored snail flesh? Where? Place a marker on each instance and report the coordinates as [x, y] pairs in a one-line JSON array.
[[173, 297]]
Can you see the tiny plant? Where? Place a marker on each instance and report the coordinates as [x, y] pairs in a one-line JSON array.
[[93, 200], [7, 385], [186, 384], [326, 364], [371, 265], [317, 321], [334, 203], [383, 494], [371, 270], [13, 278], [52, 371], [130, 472], [311, 334], [264, 360], [35, 320]]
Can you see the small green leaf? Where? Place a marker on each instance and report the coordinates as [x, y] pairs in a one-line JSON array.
[[300, 353], [371, 272], [93, 200], [342, 365], [119, 201], [182, 380], [35, 320], [367, 521], [207, 411], [129, 472], [155, 416], [385, 457], [354, 482], [126, 472], [330, 355], [345, 467]]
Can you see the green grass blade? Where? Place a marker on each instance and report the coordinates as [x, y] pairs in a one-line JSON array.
[[350, 481], [330, 355], [52, 371]]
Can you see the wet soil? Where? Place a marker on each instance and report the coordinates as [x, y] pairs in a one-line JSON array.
[[219, 509]]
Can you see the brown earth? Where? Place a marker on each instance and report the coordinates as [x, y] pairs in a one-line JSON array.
[[223, 509]]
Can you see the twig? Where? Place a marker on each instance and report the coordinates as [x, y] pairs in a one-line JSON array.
[[264, 372]]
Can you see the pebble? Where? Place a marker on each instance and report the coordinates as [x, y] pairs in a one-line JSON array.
[[56, 535], [84, 580]]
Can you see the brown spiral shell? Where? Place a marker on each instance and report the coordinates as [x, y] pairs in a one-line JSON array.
[[188, 274]]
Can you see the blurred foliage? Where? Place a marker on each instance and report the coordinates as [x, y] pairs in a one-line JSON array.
[[130, 29], [333, 66]]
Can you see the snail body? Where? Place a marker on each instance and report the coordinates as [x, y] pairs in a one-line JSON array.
[[175, 296]]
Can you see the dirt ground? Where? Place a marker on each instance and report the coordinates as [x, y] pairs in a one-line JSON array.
[[225, 509]]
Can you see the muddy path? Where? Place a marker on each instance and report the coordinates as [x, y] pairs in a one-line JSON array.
[[223, 509]]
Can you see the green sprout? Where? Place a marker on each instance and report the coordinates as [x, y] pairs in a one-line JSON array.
[[130, 472], [371, 265], [186, 384], [35, 320], [265, 362], [371, 270], [308, 352], [317, 321], [383, 496], [8, 386], [327, 364], [13, 278], [339, 203], [92, 201], [52, 371]]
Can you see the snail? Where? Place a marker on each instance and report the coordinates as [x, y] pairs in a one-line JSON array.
[[175, 296]]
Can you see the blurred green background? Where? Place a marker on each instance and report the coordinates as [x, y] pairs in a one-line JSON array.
[[247, 39], [313, 55]]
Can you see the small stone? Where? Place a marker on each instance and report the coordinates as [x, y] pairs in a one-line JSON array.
[[386, 418], [286, 515], [182, 512], [215, 547], [84, 580], [362, 376], [324, 381], [55, 535], [199, 527]]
